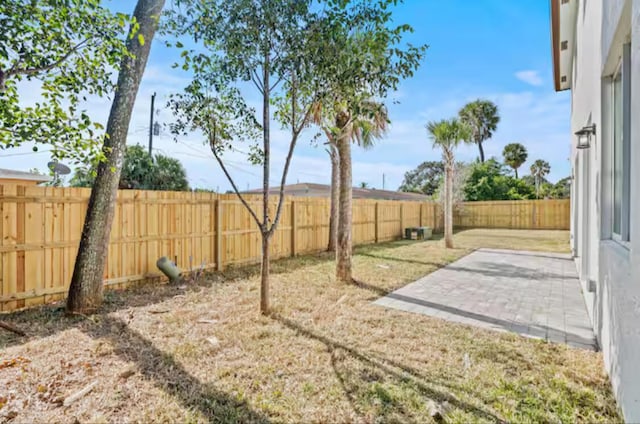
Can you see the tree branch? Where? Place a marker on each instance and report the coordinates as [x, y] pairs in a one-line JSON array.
[[33, 71], [256, 81], [275, 84], [233, 184], [287, 163]]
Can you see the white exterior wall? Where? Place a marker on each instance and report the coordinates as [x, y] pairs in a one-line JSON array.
[[601, 30]]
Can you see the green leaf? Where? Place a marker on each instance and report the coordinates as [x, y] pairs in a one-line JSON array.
[[141, 39]]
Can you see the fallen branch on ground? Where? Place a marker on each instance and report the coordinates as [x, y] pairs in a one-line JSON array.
[[77, 395], [11, 328]]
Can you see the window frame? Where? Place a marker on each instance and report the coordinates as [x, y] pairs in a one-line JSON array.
[[623, 69]]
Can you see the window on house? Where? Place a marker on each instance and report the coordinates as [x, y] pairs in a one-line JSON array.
[[621, 146]]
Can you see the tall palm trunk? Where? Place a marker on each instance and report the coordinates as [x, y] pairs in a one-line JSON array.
[[344, 246], [335, 198], [448, 206], [516, 170], [481, 151], [85, 291]]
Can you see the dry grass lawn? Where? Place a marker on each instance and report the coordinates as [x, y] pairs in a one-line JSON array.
[[202, 353]]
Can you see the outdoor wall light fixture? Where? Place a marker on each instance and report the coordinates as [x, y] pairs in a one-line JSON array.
[[584, 136]]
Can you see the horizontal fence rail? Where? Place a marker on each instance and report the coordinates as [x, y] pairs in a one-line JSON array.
[[41, 228]]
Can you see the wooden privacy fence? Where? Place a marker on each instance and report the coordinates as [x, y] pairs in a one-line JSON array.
[[517, 214], [41, 228]]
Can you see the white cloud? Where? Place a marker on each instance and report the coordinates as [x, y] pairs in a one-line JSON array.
[[530, 77]]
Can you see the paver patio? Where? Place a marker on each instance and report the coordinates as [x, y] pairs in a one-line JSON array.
[[535, 294]]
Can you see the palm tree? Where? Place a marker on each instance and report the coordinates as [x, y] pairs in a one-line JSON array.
[[515, 154], [364, 185], [363, 126], [447, 135], [481, 116], [539, 170]]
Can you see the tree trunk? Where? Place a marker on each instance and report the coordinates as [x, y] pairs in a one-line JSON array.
[[264, 275], [448, 206], [481, 151], [516, 170], [85, 291], [335, 198], [344, 246], [266, 141]]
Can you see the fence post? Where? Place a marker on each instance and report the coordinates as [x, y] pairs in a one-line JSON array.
[[219, 264], [293, 228], [401, 219], [20, 239], [420, 223], [377, 222]]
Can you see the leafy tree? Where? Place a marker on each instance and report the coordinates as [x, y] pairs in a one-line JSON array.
[[67, 50], [364, 185], [482, 117], [489, 181], [562, 189], [539, 169], [141, 172], [361, 57], [531, 180], [425, 179], [85, 291], [169, 174], [82, 177], [515, 154], [264, 45], [447, 135]]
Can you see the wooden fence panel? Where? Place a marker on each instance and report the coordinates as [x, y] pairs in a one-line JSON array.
[[546, 214], [41, 228], [364, 221]]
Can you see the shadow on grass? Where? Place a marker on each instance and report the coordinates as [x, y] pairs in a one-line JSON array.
[[170, 376], [395, 259], [368, 385], [45, 320]]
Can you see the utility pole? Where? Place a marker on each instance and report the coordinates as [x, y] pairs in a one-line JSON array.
[[153, 99], [383, 181]]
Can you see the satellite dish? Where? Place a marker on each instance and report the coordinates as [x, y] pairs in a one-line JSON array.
[[59, 168]]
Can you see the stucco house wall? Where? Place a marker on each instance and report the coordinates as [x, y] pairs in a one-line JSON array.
[[609, 270]]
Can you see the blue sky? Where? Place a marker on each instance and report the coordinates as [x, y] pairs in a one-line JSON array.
[[493, 49]]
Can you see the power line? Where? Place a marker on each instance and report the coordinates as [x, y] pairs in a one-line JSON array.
[[25, 153]]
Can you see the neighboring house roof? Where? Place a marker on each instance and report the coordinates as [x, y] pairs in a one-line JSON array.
[[563, 31], [10, 174], [324, 190]]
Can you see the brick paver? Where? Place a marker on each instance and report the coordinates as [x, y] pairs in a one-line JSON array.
[[535, 294]]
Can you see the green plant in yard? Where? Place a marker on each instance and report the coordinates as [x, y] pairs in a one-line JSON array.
[[447, 135], [489, 181], [265, 47]]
